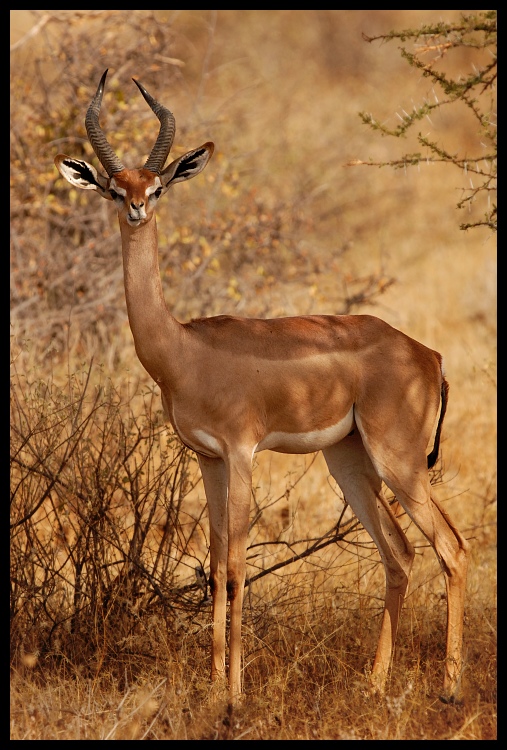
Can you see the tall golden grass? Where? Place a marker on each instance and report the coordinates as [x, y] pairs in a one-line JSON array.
[[278, 225]]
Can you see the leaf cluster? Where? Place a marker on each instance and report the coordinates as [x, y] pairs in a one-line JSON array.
[[475, 39]]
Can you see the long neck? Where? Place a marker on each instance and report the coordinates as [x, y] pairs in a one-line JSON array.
[[157, 334]]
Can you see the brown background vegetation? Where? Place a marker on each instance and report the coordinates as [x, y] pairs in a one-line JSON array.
[[276, 225]]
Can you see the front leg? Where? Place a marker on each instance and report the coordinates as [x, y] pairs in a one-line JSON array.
[[240, 489], [214, 476]]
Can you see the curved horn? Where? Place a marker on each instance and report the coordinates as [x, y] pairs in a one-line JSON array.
[[160, 150], [98, 140]]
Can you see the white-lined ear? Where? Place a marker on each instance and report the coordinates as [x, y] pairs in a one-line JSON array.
[[187, 166], [82, 175]]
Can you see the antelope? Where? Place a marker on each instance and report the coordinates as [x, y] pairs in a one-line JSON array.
[[352, 386]]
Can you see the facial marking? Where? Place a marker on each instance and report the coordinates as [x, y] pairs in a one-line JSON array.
[[135, 186], [157, 184], [114, 186]]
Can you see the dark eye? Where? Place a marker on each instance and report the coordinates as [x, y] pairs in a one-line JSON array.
[[114, 195], [158, 193]]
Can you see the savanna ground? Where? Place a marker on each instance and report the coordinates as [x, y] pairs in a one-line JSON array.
[[110, 631]]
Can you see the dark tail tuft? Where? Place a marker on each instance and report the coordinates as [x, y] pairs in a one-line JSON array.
[[444, 391]]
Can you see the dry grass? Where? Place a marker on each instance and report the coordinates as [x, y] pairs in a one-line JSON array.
[[276, 225]]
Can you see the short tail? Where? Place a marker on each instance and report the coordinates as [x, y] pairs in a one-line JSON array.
[[444, 392]]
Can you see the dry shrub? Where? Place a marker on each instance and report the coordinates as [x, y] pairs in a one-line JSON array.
[[108, 527], [97, 530]]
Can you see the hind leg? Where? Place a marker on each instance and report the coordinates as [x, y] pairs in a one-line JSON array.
[[407, 476], [451, 549], [352, 468]]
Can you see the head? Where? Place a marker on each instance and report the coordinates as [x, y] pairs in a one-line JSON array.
[[135, 192]]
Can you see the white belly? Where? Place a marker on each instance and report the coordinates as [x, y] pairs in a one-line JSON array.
[[307, 442], [204, 442]]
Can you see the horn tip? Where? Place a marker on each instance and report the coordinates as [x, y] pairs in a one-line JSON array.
[[140, 87], [100, 89]]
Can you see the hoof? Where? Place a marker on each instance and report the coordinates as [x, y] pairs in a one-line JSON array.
[[218, 692], [451, 700], [377, 684], [236, 700]]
